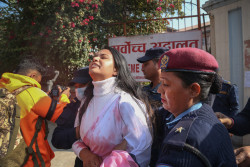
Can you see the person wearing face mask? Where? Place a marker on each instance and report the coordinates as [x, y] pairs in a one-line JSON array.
[[65, 134], [80, 92]]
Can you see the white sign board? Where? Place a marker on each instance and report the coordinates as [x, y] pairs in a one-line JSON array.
[[134, 47]]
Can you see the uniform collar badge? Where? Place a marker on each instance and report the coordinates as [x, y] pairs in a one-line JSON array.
[[179, 130], [164, 62]]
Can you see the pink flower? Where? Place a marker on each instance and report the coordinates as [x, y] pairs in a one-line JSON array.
[[158, 9], [95, 6], [171, 5], [33, 23], [85, 22], [81, 1], [49, 31], [74, 4], [79, 41], [94, 39], [72, 25], [91, 17], [87, 7]]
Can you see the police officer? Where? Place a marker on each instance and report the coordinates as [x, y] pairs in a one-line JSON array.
[[65, 134], [227, 100], [151, 71], [240, 126], [194, 135]]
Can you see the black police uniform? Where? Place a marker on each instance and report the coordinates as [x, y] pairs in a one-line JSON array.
[[158, 127], [227, 100], [64, 134], [152, 92], [242, 121], [160, 116], [202, 130]]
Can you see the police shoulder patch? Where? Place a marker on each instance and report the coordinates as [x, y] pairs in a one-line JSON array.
[[227, 82]]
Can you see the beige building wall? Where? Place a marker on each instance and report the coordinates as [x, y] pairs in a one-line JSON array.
[[220, 42], [220, 38]]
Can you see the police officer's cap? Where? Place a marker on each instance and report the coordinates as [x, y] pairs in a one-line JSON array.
[[81, 76], [152, 53], [188, 59]]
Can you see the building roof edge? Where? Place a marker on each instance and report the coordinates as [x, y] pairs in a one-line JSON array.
[[214, 4]]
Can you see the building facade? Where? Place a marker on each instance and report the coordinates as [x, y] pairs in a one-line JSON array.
[[230, 43]]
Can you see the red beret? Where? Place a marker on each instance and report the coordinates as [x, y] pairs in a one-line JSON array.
[[188, 59]]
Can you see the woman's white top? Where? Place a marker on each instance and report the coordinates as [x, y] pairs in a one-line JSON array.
[[113, 115]]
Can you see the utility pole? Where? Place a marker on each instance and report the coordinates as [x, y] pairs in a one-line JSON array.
[[199, 14], [125, 18]]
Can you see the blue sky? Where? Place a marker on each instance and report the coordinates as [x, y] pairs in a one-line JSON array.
[[189, 10]]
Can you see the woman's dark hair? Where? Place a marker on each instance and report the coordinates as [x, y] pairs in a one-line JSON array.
[[124, 81], [88, 95], [209, 82]]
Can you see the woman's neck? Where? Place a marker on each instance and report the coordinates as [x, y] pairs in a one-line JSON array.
[[104, 87]]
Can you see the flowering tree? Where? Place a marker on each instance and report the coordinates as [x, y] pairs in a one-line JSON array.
[[61, 33]]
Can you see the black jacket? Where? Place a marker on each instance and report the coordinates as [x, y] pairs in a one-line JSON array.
[[202, 130], [64, 134], [242, 121]]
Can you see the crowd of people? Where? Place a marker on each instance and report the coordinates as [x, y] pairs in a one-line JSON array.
[[181, 119]]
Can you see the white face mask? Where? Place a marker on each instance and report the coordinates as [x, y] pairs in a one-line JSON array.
[[80, 93]]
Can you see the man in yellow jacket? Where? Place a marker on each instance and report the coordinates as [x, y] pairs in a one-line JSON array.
[[33, 103]]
